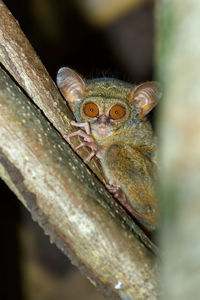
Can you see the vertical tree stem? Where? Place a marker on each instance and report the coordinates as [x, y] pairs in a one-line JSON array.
[[178, 60]]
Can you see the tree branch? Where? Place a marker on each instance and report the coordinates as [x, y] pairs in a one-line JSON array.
[[63, 196], [19, 58]]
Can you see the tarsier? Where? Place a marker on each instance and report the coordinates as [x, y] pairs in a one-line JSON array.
[[111, 119]]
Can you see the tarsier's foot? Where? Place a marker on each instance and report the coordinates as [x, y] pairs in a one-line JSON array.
[[116, 191], [118, 194], [87, 137]]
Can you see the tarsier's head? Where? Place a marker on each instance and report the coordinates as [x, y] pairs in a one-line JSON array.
[[106, 103]]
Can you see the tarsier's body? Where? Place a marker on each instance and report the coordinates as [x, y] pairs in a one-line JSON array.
[[111, 115]]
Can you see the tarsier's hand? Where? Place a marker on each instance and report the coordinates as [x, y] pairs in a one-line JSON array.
[[87, 137]]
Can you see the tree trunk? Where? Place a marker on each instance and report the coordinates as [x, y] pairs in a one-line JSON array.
[[62, 194]]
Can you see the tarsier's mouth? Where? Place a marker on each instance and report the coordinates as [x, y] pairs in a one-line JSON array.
[[102, 130]]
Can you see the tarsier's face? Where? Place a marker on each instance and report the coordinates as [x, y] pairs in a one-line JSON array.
[[104, 115], [106, 103]]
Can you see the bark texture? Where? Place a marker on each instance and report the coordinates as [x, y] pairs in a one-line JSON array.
[[62, 194]]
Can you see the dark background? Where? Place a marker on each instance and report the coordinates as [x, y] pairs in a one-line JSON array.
[[62, 35]]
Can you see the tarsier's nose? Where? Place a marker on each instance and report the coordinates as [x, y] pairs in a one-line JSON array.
[[103, 119]]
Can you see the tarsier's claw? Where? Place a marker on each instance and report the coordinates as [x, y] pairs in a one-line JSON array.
[[92, 154], [73, 123], [112, 188], [84, 125], [117, 192], [79, 146], [87, 137]]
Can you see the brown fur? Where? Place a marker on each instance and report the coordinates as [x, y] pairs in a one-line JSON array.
[[127, 149]]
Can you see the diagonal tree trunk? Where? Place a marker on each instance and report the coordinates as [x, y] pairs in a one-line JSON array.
[[62, 194]]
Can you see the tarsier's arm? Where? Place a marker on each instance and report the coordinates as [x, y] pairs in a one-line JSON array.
[[127, 166]]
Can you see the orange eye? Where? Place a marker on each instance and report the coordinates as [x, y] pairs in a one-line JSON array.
[[91, 110], [117, 112]]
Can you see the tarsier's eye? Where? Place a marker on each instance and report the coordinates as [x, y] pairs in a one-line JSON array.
[[91, 110], [117, 112]]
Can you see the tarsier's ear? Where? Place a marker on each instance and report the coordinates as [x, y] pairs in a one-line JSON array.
[[145, 97], [71, 85]]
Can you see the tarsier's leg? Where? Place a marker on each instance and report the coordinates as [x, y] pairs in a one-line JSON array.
[[87, 137], [132, 170]]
